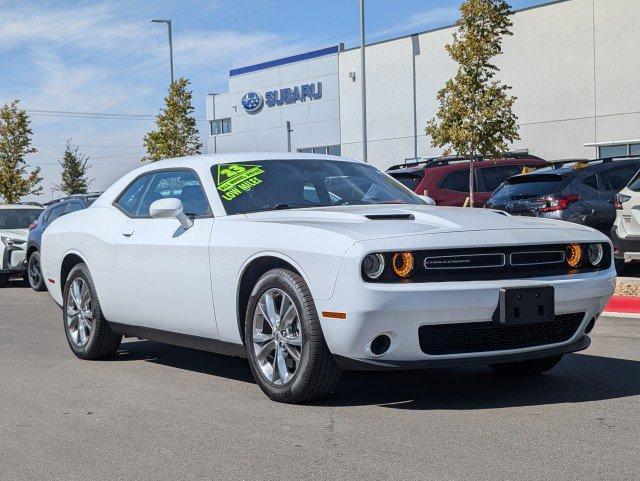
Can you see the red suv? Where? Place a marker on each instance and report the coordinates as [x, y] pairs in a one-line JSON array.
[[446, 179]]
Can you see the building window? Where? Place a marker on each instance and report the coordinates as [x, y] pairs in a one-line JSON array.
[[618, 150], [326, 149], [221, 126]]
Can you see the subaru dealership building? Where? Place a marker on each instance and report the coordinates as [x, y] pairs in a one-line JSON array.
[[573, 64]]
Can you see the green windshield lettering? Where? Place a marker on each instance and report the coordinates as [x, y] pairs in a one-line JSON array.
[[234, 179]]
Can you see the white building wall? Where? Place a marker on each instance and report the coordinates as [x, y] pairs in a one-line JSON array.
[[314, 123], [573, 66]]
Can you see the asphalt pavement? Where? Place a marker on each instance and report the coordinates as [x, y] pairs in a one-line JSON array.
[[162, 412]]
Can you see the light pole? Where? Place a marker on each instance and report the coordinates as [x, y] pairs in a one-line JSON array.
[[168, 22], [363, 84]]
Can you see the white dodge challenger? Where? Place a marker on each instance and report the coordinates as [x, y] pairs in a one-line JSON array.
[[310, 264]]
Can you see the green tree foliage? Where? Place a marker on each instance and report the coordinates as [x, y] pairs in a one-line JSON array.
[[74, 171], [15, 143], [177, 134], [475, 114]]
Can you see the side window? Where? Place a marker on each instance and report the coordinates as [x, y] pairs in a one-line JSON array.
[[494, 176], [129, 200], [591, 181], [618, 178], [74, 206], [457, 181], [181, 184]]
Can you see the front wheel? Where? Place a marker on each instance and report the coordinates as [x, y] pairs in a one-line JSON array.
[[34, 273], [88, 332], [527, 368], [619, 264], [287, 353]]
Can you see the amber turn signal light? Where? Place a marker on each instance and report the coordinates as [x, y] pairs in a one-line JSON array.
[[573, 254], [403, 263]]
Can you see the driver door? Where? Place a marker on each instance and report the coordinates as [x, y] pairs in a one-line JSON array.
[[164, 269]]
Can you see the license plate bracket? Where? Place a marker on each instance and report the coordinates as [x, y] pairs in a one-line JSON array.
[[525, 305]]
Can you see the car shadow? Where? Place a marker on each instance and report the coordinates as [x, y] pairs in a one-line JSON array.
[[578, 378], [188, 359]]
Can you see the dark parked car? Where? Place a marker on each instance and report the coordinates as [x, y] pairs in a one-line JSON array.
[[54, 210], [446, 179], [576, 191]]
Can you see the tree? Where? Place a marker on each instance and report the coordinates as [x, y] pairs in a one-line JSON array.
[[177, 134], [15, 144], [74, 171], [475, 114]]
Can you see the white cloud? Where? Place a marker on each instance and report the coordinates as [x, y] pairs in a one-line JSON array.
[[431, 18], [105, 57]]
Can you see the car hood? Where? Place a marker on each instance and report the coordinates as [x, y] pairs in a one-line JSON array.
[[386, 221], [18, 234]]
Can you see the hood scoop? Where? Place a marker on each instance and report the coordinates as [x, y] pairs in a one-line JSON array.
[[391, 216]]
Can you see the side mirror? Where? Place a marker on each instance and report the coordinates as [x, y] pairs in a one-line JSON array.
[[427, 199], [170, 208]]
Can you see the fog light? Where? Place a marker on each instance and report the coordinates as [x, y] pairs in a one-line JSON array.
[[403, 264], [380, 345], [573, 254], [595, 253]]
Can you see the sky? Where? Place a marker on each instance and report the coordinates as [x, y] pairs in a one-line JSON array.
[[105, 57]]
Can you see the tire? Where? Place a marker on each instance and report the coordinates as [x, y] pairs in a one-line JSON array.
[[4, 280], [527, 368], [315, 374], [101, 342], [34, 273], [619, 263]]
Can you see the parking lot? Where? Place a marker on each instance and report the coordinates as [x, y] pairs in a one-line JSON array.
[[165, 412]]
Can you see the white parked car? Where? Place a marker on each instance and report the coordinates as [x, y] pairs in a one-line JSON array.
[[15, 220], [625, 233], [309, 264]]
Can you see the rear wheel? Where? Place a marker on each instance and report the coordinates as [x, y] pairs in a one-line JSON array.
[[285, 346], [527, 368], [88, 333], [4, 280], [34, 273]]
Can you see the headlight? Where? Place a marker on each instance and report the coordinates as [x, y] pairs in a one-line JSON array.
[[573, 254], [403, 263], [8, 241], [373, 265], [595, 254]]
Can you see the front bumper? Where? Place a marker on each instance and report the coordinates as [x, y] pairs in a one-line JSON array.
[[399, 310], [13, 259], [627, 248]]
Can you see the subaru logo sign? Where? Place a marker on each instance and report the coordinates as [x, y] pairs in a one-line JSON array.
[[252, 101]]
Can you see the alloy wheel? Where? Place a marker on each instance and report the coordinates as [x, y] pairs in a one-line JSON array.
[[79, 312], [34, 271], [277, 336]]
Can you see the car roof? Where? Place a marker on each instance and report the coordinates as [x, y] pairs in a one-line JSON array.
[[445, 163], [230, 158], [20, 206], [593, 166]]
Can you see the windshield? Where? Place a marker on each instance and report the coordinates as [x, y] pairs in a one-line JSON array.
[[289, 184], [18, 218], [527, 187]]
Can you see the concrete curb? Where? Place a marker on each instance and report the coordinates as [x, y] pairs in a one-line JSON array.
[[626, 306]]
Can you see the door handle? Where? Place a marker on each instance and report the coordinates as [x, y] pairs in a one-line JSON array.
[[127, 232]]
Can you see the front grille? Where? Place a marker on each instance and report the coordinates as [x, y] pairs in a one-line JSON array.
[[490, 263], [443, 339]]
